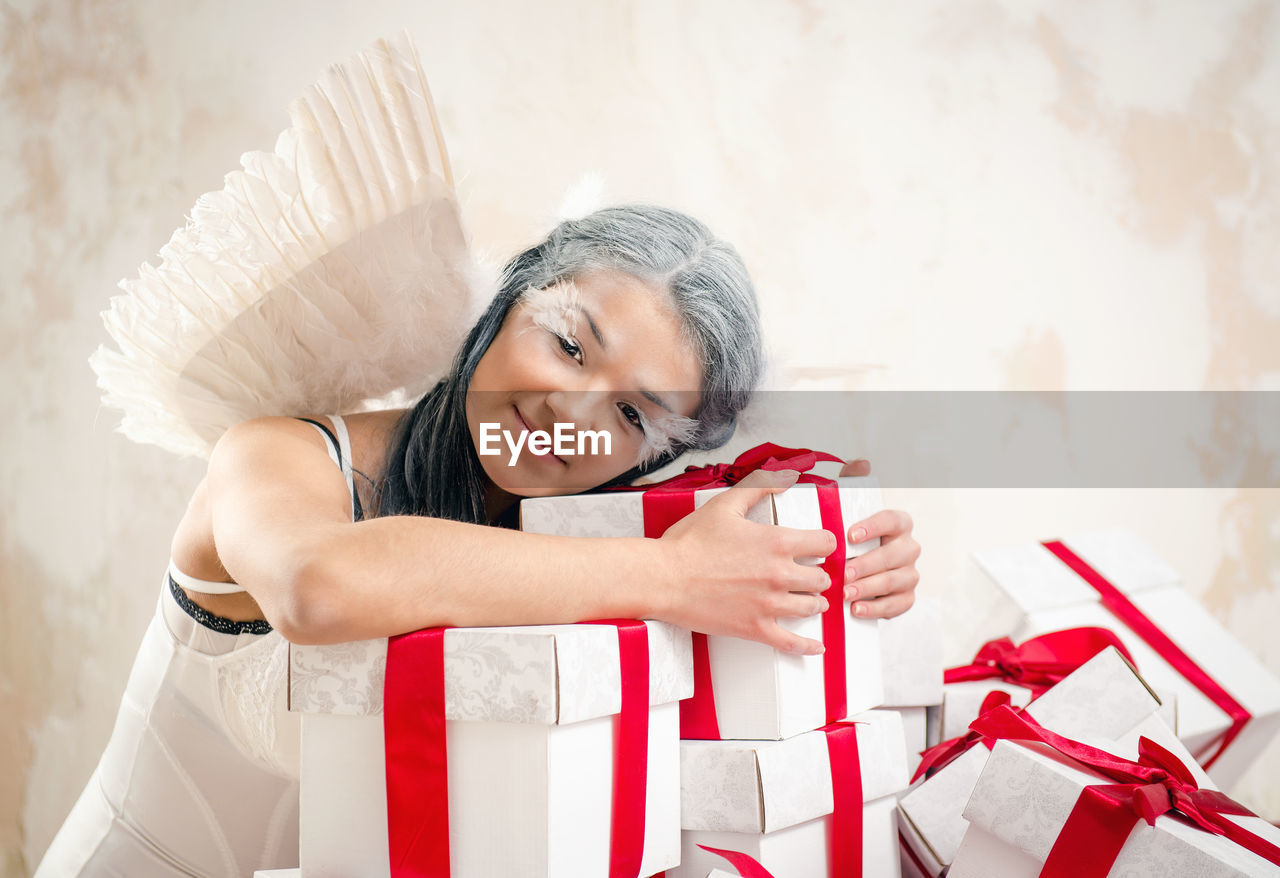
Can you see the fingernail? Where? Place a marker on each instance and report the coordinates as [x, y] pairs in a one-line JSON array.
[[825, 605], [851, 593], [859, 610], [858, 534], [821, 650], [850, 572]]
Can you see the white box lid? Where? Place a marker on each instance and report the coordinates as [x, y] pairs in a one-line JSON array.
[[621, 513], [547, 674], [763, 786]]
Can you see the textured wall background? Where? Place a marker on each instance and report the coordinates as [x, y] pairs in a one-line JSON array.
[[975, 195]]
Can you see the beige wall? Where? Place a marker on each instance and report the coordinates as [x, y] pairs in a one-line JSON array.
[[976, 195]]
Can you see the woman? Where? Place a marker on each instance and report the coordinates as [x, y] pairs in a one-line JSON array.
[[634, 321]]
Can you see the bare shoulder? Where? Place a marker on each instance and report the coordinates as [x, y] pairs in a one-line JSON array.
[[252, 452], [261, 435], [279, 462]]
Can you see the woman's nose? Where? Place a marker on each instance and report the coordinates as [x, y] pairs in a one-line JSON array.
[[576, 407]]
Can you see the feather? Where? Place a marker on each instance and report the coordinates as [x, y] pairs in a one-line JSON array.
[[331, 271], [582, 198]]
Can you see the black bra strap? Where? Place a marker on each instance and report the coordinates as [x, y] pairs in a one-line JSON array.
[[221, 624], [337, 449]]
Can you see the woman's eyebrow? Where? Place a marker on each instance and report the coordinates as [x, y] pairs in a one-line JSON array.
[[595, 330], [657, 400]]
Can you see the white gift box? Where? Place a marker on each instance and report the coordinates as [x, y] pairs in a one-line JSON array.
[[773, 800], [1102, 700], [911, 656], [911, 660], [915, 732], [278, 873], [1049, 596], [1025, 793], [530, 734], [760, 693]]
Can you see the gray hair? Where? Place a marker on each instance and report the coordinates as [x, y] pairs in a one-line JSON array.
[[709, 288]]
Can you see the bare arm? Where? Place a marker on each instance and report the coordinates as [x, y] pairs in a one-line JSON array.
[[281, 521]]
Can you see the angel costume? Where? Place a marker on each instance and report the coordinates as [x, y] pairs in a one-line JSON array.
[[330, 272]]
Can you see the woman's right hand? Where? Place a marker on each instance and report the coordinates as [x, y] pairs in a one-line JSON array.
[[738, 577]]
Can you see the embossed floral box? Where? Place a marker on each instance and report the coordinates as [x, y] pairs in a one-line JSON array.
[[530, 735], [1025, 793], [760, 693], [1046, 594], [1103, 700], [911, 659], [773, 799]]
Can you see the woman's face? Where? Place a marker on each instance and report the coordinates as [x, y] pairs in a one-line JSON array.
[[600, 354]]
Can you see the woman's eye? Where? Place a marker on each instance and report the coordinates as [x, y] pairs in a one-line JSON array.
[[632, 415], [570, 347]]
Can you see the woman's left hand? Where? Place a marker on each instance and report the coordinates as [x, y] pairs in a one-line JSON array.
[[881, 583]]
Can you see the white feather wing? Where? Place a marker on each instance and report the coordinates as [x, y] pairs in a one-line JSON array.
[[329, 272]]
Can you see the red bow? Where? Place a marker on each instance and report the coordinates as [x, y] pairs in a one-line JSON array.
[[1105, 814], [766, 456], [937, 757], [1038, 663]]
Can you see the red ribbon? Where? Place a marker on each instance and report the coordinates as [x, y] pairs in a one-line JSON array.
[[1105, 814], [766, 456], [747, 865], [417, 764], [1039, 663], [1125, 610], [668, 501], [938, 756], [416, 761], [631, 750], [846, 789]]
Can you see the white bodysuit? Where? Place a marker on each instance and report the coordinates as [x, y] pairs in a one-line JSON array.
[[200, 776]]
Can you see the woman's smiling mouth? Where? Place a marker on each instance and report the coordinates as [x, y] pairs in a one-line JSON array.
[[524, 425]]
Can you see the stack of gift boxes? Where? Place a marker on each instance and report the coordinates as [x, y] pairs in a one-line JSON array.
[[769, 767], [582, 750], [1095, 741]]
